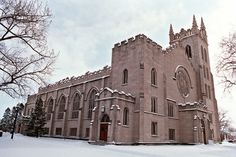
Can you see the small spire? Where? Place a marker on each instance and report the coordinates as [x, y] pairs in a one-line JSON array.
[[171, 34], [171, 30], [202, 24], [194, 25]]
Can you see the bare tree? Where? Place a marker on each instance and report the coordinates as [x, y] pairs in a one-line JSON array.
[[225, 124], [224, 120], [25, 59], [226, 66]]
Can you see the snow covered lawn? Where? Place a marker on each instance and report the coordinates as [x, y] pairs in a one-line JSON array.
[[23, 146]]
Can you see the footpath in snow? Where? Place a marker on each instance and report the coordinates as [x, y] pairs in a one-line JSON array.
[[23, 146]]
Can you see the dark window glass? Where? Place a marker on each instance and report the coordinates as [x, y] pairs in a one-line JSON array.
[[58, 131], [154, 104], [73, 131], [188, 51], [171, 134], [154, 128], [91, 103], [170, 109], [126, 116], [153, 76], [125, 76]]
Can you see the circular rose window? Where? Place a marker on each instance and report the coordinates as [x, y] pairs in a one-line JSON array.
[[183, 81]]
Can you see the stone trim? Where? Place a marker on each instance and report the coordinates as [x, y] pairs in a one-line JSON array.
[[99, 78]]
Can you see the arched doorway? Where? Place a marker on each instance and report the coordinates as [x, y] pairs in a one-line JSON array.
[[203, 131], [104, 127]]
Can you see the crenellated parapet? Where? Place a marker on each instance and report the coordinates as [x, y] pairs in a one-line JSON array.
[[170, 48], [135, 40], [182, 34], [67, 82], [174, 37]]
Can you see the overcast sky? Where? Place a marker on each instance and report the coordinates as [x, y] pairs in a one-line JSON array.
[[84, 33]]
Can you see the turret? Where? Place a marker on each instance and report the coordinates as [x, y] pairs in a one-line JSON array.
[[202, 25], [171, 34], [203, 30], [194, 26]]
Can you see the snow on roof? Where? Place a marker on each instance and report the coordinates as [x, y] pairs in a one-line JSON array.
[[192, 103], [115, 91]]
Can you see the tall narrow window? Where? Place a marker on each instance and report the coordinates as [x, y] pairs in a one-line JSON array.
[[87, 132], [153, 76], [126, 116], [170, 109], [125, 76], [154, 128], [202, 53], [207, 73], [154, 104], [210, 117], [49, 109], [209, 92], [171, 134], [61, 109], [206, 90], [188, 51], [91, 103], [204, 71], [205, 53], [75, 107]]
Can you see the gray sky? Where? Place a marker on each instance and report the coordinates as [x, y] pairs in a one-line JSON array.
[[84, 33]]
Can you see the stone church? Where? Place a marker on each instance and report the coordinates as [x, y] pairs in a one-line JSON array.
[[149, 95]]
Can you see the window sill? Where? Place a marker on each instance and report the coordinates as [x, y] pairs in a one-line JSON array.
[[154, 136], [173, 118], [124, 84], [153, 85], [126, 126], [155, 113]]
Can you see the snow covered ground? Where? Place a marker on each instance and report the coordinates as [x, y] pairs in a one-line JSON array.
[[23, 146]]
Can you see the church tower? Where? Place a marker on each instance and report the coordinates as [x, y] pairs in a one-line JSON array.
[[194, 41]]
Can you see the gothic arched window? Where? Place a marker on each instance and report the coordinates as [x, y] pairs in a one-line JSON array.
[[91, 103], [126, 116], [125, 77], [62, 104], [153, 76], [75, 107], [105, 118], [188, 51], [50, 106], [49, 109]]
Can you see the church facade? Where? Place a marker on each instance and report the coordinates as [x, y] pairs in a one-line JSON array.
[[149, 95]]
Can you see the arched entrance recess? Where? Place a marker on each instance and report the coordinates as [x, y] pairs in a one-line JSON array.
[[104, 127], [203, 131]]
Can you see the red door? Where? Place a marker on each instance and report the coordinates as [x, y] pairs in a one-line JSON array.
[[103, 132]]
